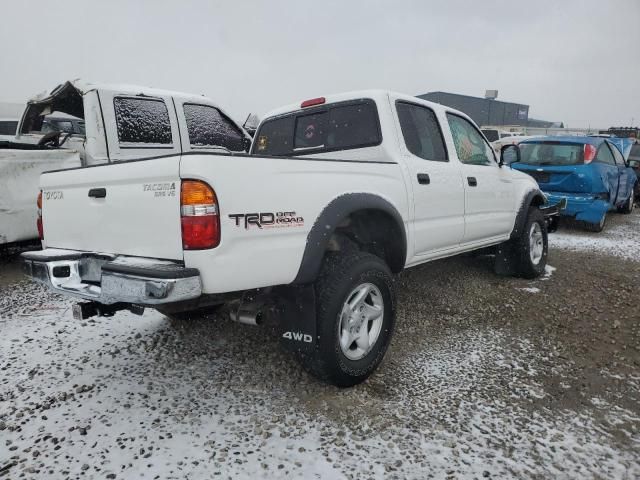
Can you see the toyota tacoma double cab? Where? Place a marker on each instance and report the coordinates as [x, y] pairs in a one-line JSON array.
[[336, 195]]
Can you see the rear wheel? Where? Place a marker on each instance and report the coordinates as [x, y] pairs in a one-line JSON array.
[[597, 227], [355, 315], [629, 205]]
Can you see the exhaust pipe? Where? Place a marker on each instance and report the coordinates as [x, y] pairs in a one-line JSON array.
[[247, 313]]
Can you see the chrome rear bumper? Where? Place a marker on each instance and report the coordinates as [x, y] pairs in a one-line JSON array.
[[110, 279]]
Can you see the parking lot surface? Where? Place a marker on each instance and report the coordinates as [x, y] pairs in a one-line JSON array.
[[486, 377]]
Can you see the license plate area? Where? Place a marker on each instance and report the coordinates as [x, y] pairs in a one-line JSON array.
[[541, 177]]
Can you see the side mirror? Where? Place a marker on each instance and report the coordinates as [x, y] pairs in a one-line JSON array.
[[509, 154]]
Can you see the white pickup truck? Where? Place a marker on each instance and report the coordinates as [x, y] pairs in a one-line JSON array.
[[83, 124], [337, 194]]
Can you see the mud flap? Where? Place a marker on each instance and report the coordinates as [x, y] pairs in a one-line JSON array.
[[504, 264], [297, 322]]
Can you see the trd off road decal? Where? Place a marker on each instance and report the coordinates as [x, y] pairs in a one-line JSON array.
[[161, 189], [267, 220]]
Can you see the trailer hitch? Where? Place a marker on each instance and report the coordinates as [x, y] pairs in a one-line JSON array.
[[85, 310]]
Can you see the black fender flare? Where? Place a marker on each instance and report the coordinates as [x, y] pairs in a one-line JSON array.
[[329, 219], [532, 197]]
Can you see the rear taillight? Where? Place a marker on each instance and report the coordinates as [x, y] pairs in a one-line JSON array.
[[39, 219], [199, 212], [589, 153]]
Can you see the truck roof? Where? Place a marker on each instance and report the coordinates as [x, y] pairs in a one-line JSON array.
[[377, 95], [84, 86]]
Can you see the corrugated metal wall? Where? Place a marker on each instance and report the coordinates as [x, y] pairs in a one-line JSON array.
[[483, 111]]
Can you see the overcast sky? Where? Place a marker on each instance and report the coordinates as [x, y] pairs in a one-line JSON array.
[[571, 61]]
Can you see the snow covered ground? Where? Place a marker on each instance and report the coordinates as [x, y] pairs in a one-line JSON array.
[[484, 380], [133, 397], [620, 238]]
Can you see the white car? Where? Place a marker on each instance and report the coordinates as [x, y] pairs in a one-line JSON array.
[[8, 128], [74, 125], [338, 194], [494, 134], [511, 140]]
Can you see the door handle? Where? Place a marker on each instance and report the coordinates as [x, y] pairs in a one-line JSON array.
[[472, 181], [98, 192], [423, 179]]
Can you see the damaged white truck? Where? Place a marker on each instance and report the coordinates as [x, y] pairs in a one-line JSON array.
[[336, 195], [74, 125]]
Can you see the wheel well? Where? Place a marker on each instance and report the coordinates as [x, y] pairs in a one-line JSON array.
[[537, 201], [373, 231]]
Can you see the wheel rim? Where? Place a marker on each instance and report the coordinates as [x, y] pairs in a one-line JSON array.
[[361, 321], [536, 243], [602, 221], [632, 203]]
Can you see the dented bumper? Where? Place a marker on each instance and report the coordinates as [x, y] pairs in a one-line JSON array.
[[111, 279]]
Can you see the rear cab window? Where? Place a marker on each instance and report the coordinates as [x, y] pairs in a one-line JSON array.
[[326, 128]]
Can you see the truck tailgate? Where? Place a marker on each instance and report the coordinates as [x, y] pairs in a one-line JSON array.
[[129, 208]]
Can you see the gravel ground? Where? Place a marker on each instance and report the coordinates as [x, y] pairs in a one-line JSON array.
[[487, 377]]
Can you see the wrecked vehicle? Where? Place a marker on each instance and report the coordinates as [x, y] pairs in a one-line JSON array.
[[337, 194], [75, 126], [590, 173]]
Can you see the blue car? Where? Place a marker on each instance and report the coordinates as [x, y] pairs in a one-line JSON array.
[[591, 173]]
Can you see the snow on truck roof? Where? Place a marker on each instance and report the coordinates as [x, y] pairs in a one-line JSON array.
[[84, 87], [374, 94]]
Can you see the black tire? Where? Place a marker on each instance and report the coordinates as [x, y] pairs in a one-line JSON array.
[[514, 257], [629, 205], [597, 227], [341, 273]]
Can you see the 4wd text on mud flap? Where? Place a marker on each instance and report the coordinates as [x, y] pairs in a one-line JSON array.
[[299, 336], [268, 219]]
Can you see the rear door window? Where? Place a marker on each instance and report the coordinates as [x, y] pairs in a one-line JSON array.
[[604, 155], [421, 132], [619, 159], [339, 126], [142, 121], [208, 127]]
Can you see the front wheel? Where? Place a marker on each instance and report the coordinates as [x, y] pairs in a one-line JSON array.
[[355, 318], [526, 255]]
